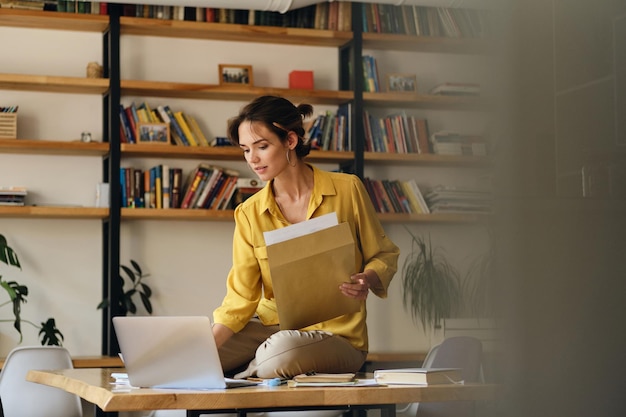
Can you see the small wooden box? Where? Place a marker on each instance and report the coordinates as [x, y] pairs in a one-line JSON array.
[[8, 125]]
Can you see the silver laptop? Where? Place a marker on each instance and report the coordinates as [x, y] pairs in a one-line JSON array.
[[171, 352]]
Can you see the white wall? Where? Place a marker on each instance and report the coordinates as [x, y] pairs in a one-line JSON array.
[[188, 261]]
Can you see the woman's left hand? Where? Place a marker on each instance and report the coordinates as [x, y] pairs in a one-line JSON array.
[[357, 288]]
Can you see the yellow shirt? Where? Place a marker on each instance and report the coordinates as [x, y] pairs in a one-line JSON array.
[[249, 283]]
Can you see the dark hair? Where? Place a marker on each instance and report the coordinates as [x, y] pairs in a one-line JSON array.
[[273, 111]]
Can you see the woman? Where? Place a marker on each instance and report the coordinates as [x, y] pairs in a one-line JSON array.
[[270, 132]]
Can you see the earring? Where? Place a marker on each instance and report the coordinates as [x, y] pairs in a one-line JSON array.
[[289, 159]]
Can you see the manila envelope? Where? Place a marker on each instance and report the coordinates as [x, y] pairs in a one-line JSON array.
[[306, 274]]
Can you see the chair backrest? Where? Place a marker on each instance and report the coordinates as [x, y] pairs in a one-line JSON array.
[[464, 352], [21, 398]]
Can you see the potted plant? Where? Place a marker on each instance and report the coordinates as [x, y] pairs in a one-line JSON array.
[[17, 293], [432, 286], [126, 302], [479, 283]]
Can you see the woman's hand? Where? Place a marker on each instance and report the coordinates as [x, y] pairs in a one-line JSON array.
[[357, 288]]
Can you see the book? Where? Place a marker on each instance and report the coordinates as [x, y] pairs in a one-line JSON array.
[[165, 184], [185, 128], [195, 130], [418, 376], [412, 185], [324, 377], [422, 135], [177, 131]]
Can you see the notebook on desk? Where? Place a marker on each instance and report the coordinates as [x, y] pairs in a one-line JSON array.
[[171, 352]]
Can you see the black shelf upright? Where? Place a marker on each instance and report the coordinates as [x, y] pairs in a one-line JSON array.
[[111, 285], [350, 78]]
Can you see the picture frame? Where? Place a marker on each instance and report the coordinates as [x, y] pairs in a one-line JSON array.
[[236, 75], [153, 133], [401, 83]]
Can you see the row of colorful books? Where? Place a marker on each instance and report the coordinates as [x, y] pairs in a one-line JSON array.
[[396, 133], [425, 20], [182, 128], [335, 15], [205, 187], [396, 196], [331, 131]]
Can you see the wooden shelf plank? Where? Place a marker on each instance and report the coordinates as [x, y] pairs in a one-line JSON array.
[[176, 214], [440, 218], [426, 159], [230, 153], [47, 212], [410, 43], [233, 32], [53, 20], [423, 101], [56, 84], [238, 93], [50, 147]]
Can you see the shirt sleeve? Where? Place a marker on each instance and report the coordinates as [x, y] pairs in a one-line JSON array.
[[244, 284], [379, 252]]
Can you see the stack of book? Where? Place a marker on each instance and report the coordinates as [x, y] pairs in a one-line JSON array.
[[12, 196], [456, 89], [453, 143], [450, 199]]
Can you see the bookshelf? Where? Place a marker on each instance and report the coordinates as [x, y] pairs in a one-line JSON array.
[[115, 27], [42, 83]]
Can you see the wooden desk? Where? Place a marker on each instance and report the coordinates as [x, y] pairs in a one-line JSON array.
[[410, 358], [94, 386]]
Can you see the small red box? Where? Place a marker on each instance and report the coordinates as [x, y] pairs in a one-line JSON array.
[[301, 80]]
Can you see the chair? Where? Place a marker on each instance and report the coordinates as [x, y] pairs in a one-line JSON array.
[[21, 398], [463, 352]]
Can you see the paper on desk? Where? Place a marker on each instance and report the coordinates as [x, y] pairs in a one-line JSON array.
[[306, 274], [300, 229]]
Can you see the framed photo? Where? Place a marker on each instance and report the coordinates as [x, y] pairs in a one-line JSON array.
[[406, 83], [157, 133], [234, 75]]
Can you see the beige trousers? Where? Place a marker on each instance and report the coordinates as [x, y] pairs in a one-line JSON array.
[[268, 352]]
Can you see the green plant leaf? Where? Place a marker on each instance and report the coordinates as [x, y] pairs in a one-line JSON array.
[[431, 284], [129, 272], [8, 255], [137, 267], [146, 290], [145, 299], [49, 333]]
